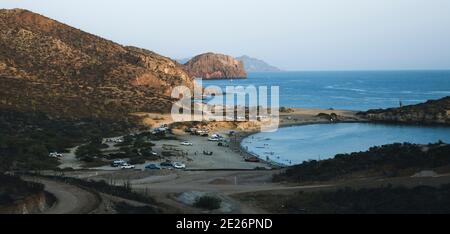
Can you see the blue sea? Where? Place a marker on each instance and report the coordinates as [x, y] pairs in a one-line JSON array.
[[349, 90]]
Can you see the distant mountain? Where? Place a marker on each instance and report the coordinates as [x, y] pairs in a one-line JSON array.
[[183, 60], [56, 69], [256, 65], [215, 66]]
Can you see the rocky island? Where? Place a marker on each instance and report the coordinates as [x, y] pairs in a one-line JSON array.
[[215, 66]]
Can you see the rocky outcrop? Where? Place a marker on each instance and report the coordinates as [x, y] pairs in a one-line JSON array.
[[22, 197], [256, 65], [215, 66], [31, 204], [53, 68], [430, 112]]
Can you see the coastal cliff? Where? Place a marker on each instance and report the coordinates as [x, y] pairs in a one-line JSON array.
[[31, 204], [61, 71], [215, 66], [22, 197], [430, 112]]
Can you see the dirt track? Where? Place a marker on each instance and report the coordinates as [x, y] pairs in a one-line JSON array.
[[70, 199]]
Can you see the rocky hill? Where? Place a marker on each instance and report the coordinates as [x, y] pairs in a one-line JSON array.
[[215, 66], [430, 112], [56, 69], [256, 65]]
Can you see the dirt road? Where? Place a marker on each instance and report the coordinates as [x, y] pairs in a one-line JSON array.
[[70, 199]]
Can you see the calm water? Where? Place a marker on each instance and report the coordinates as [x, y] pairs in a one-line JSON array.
[[355, 90], [293, 145]]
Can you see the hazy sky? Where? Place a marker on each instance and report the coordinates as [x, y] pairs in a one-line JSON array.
[[291, 34]]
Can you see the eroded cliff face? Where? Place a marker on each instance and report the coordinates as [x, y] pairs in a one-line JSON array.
[[50, 67], [215, 66], [31, 204], [430, 112]]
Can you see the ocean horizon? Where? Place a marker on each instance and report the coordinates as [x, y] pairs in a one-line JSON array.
[[349, 90]]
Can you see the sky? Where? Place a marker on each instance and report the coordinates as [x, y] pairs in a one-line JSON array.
[[290, 34]]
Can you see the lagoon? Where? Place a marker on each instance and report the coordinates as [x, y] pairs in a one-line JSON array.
[[293, 145]]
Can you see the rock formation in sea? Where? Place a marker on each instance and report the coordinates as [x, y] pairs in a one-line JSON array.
[[215, 66]]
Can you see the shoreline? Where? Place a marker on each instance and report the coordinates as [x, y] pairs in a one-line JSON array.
[[234, 157], [296, 117], [243, 135], [236, 154]]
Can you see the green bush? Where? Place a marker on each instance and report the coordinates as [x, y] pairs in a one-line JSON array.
[[381, 200], [208, 202], [137, 160], [387, 160], [27, 138], [13, 188], [87, 151]]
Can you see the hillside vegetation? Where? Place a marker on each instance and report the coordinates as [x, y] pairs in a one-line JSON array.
[[50, 67], [380, 200], [388, 160], [430, 112], [27, 139]]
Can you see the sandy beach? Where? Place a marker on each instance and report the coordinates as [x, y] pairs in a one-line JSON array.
[[225, 174], [231, 156]]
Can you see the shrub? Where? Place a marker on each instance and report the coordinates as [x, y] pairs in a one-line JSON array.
[[137, 160], [13, 188], [116, 155], [285, 109], [86, 151], [386, 160], [125, 208], [208, 202]]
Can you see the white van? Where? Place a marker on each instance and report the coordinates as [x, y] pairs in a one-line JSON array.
[[117, 163]]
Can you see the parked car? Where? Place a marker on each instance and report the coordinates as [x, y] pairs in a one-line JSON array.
[[178, 165], [223, 144], [213, 139], [209, 153], [152, 167], [153, 153], [216, 136], [252, 159], [189, 130], [166, 165], [113, 140], [55, 155], [117, 163], [127, 166], [186, 143]]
